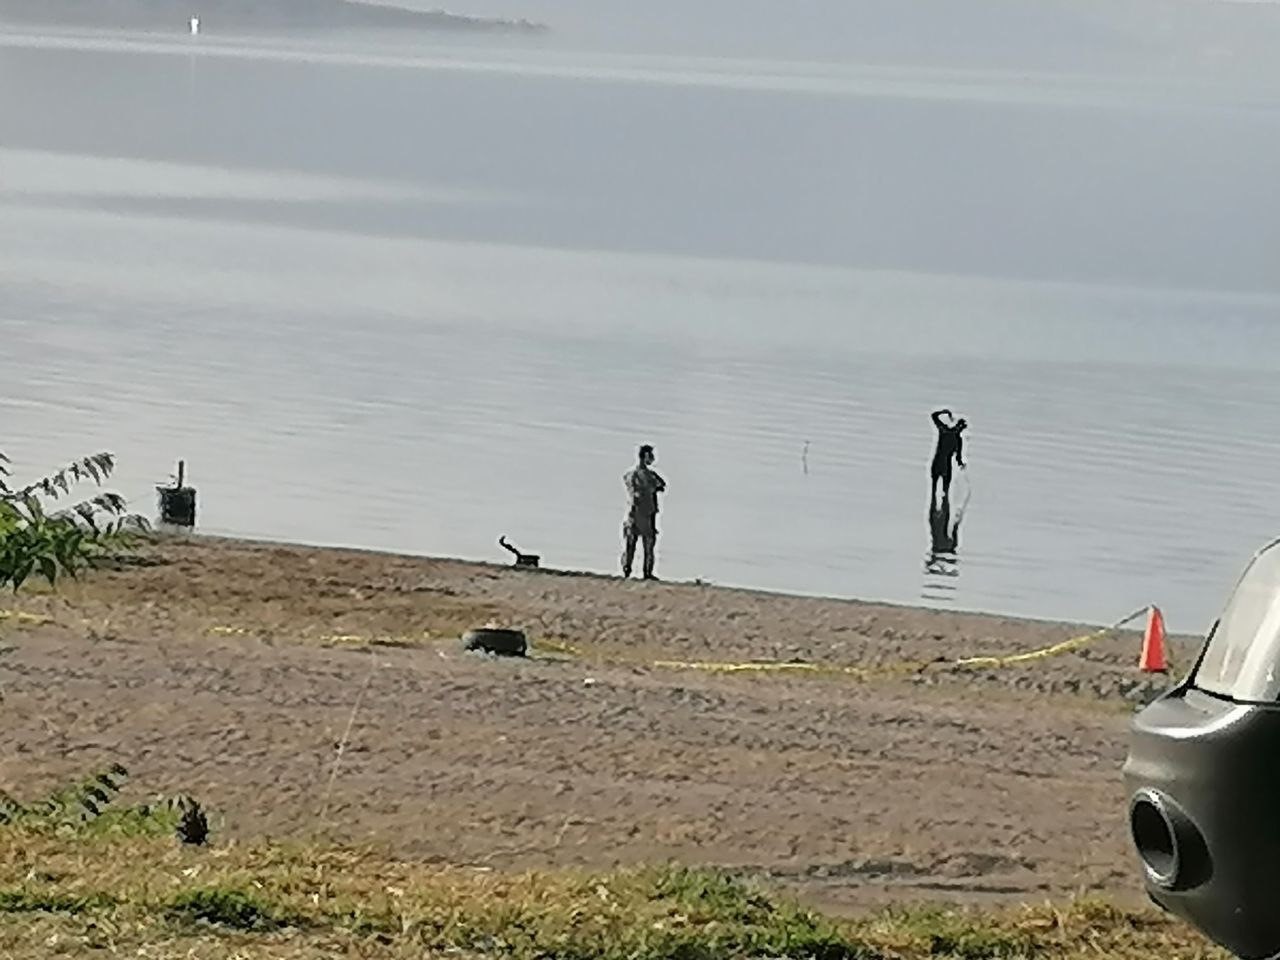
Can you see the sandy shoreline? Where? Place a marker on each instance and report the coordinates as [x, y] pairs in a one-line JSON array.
[[229, 670]]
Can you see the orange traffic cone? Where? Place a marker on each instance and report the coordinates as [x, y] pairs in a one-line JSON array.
[[1153, 658]]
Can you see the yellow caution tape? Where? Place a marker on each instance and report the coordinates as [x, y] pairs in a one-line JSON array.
[[346, 638], [1064, 647], [750, 666], [19, 616], [385, 640], [785, 666], [555, 646], [904, 667], [349, 638], [765, 666]]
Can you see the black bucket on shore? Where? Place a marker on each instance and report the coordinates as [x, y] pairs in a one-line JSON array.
[[178, 502]]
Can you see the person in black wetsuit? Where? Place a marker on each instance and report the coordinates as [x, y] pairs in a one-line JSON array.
[[950, 445]]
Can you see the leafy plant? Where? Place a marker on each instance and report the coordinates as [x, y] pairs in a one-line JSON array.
[[80, 802], [35, 541], [89, 807]]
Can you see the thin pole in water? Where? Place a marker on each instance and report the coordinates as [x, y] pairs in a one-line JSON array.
[[191, 77]]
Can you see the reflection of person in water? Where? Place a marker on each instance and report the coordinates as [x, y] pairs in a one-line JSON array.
[[944, 536], [943, 533], [950, 446]]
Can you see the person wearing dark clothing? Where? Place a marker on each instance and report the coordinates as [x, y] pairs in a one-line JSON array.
[[643, 486], [950, 446]]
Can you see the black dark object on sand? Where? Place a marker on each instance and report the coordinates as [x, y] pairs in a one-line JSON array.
[[497, 641], [178, 502], [522, 559]]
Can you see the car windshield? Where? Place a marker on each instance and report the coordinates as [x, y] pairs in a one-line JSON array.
[[1242, 660]]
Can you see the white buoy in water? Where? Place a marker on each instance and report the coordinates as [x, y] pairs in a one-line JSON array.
[[195, 26]]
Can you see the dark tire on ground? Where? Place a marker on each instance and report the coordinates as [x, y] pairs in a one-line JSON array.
[[502, 643]]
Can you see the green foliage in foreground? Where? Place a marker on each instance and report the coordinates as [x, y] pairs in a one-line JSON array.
[[157, 898], [37, 541], [89, 807]]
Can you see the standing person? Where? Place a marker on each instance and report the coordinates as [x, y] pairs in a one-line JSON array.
[[950, 445], [643, 486]]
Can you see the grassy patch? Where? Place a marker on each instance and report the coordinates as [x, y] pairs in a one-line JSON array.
[[154, 895], [1077, 929], [230, 907], [35, 901]]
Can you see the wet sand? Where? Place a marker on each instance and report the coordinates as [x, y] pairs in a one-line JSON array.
[[230, 670]]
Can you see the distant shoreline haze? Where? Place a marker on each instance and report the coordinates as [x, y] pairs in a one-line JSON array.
[[243, 14]]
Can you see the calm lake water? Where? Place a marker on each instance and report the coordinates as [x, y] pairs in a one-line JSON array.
[[415, 295]]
